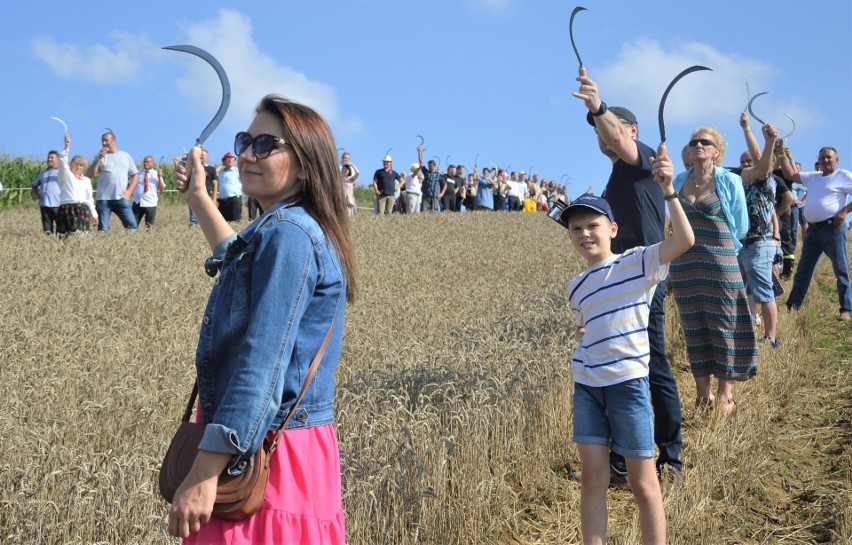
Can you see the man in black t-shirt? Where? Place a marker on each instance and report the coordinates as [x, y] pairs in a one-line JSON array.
[[638, 208], [385, 183], [448, 201]]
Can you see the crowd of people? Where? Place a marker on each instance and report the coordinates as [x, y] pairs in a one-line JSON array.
[[733, 241], [425, 188], [68, 207], [739, 229]]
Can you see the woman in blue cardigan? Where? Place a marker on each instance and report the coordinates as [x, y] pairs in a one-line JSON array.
[[706, 280]]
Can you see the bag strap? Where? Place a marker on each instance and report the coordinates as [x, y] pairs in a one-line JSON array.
[[312, 370]]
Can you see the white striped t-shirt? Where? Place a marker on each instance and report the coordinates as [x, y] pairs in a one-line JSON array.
[[612, 300]]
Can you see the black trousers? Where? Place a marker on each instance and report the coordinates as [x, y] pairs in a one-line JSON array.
[[148, 212], [231, 208], [664, 396], [49, 214]]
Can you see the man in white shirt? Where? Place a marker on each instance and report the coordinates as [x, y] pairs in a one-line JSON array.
[[826, 208], [117, 176], [230, 189], [145, 194]]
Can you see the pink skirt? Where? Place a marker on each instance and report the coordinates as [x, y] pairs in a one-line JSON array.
[[303, 503]]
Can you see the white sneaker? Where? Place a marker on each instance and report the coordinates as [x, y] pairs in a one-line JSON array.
[[757, 320]]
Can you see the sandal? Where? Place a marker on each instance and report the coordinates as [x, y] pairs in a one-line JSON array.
[[728, 407]]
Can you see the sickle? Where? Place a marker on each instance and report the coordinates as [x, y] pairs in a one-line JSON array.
[[563, 178], [476, 161], [63, 124], [577, 10], [439, 160], [750, 102], [422, 140], [223, 79], [748, 93], [794, 126], [388, 152], [530, 170], [109, 131], [660, 119], [344, 149], [447, 160]]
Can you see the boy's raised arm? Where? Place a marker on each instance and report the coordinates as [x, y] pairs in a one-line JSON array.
[[682, 237]]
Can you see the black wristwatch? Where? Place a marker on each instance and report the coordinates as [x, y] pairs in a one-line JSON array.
[[601, 110]]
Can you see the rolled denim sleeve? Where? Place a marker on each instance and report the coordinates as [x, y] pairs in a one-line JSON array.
[[284, 274]]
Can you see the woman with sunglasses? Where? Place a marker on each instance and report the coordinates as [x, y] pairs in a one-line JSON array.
[[282, 288], [706, 279]]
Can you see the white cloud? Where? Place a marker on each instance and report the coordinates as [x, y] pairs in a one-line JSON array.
[[643, 69], [251, 72], [117, 63]]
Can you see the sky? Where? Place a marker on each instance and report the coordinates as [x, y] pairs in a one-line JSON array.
[[486, 79]]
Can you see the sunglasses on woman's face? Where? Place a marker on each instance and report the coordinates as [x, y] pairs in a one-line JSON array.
[[261, 145], [703, 141]]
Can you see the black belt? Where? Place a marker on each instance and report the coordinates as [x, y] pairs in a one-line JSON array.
[[829, 221]]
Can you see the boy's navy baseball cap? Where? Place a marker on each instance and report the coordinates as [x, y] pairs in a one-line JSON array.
[[587, 200]]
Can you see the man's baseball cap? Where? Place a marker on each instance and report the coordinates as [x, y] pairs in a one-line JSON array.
[[621, 113], [587, 200], [228, 155]]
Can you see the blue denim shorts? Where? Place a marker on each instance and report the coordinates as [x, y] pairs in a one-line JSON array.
[[618, 416], [756, 267]]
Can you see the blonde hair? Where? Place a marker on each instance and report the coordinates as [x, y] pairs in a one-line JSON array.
[[79, 159], [718, 139]]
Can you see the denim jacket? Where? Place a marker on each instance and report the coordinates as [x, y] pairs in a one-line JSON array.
[[280, 286], [729, 189]]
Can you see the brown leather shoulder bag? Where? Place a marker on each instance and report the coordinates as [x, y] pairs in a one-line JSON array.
[[238, 497]]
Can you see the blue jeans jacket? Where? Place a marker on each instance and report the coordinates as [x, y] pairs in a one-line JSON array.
[[280, 288]]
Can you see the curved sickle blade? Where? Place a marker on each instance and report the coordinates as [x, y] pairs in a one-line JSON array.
[[748, 93], [530, 171], [388, 152], [476, 161], [110, 131], [422, 140], [794, 126], [439, 160], [447, 160], [660, 119], [63, 123], [577, 10], [223, 79], [750, 102]]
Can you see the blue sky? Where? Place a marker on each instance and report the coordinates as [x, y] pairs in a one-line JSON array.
[[487, 77]]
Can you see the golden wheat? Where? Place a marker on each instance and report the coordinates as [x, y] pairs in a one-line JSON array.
[[453, 405]]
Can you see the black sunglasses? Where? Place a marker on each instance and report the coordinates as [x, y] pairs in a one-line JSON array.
[[703, 141], [261, 145]]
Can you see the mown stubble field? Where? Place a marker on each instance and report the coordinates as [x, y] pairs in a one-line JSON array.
[[453, 393]]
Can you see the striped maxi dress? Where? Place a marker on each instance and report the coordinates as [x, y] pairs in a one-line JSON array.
[[711, 297]]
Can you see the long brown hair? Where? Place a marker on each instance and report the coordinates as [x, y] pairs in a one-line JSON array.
[[309, 135]]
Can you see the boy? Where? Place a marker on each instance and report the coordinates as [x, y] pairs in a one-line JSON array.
[[612, 407]]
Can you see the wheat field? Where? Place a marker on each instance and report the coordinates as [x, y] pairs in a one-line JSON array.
[[453, 400]]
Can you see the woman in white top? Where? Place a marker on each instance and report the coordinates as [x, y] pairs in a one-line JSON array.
[[76, 203]]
